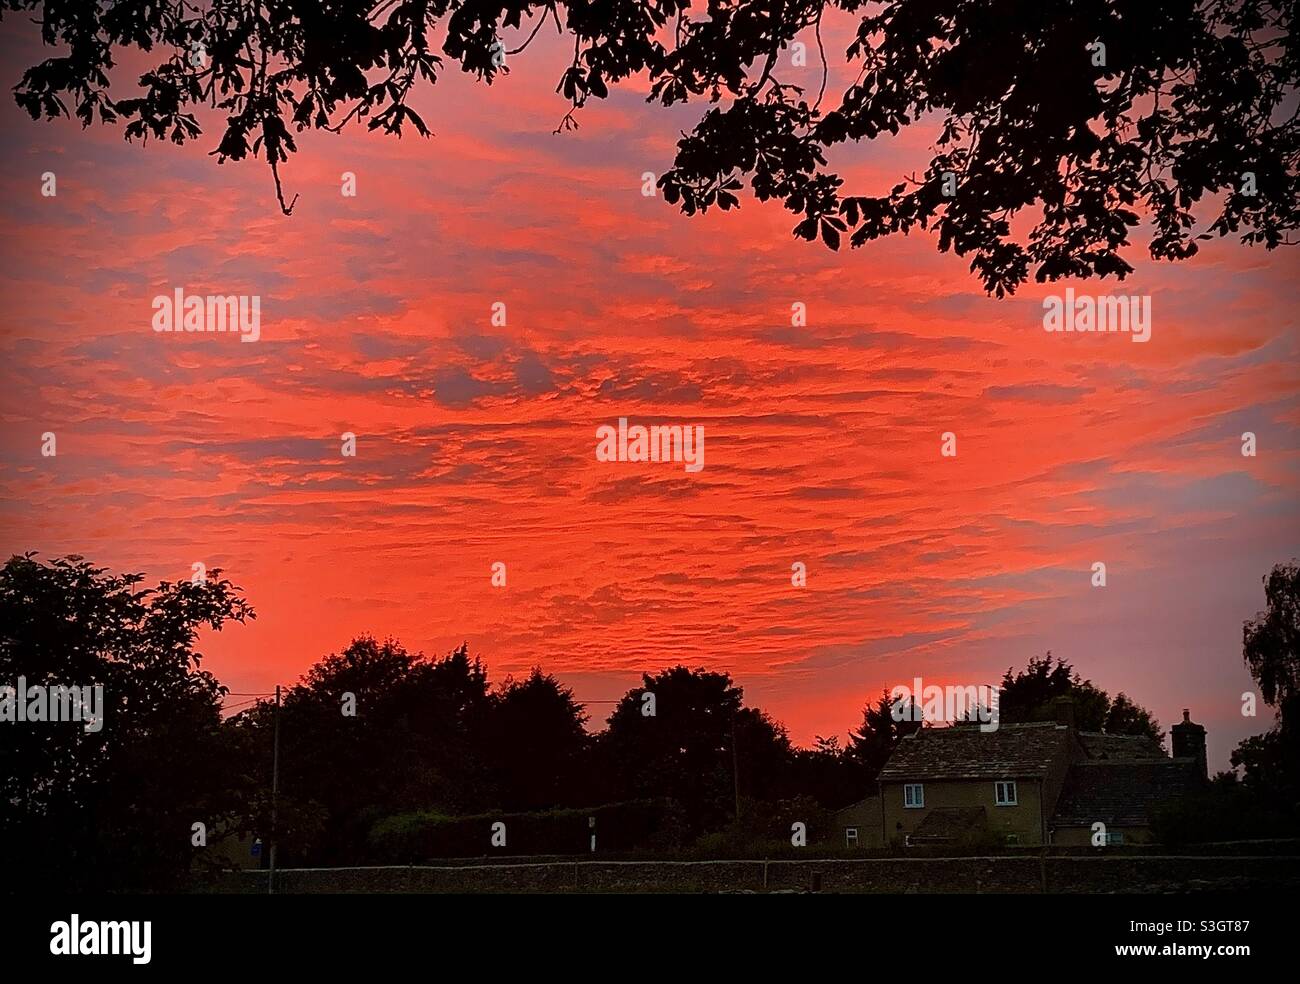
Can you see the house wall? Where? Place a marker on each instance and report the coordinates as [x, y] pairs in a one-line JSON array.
[[1024, 820], [865, 816]]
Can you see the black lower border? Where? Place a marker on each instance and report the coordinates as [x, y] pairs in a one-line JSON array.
[[946, 934]]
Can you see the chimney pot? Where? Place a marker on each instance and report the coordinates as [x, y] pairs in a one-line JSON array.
[[1188, 741], [1064, 711]]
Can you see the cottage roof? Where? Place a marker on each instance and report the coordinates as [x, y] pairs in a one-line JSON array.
[[1103, 746], [1122, 793], [965, 752], [948, 823]]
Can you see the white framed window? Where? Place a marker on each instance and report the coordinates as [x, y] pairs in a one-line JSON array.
[[913, 795], [1114, 839], [850, 836], [1004, 793]]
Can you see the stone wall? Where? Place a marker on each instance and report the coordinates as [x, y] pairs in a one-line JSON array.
[[1087, 874]]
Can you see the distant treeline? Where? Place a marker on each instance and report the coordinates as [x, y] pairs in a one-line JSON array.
[[391, 756]]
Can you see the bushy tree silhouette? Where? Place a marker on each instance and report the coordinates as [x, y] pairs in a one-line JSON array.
[[1271, 642], [1058, 127], [534, 745], [698, 747], [1028, 695], [113, 808], [879, 734], [831, 775], [371, 730], [1270, 762]]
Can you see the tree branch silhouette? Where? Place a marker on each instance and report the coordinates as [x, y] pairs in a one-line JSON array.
[[1189, 110]]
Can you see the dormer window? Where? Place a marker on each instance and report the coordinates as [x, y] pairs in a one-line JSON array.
[[1004, 793]]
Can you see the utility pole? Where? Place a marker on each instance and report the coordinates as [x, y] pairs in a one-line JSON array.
[[275, 789], [735, 770]]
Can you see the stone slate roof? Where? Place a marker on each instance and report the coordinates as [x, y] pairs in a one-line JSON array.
[[1100, 746], [946, 823], [1014, 751], [850, 813], [1123, 793]]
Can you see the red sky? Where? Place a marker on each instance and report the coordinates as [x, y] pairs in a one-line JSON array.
[[476, 443]]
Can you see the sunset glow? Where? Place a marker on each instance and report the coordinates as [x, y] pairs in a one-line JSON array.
[[476, 443]]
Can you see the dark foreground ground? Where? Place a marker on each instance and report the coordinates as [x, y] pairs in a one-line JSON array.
[[1064, 875]]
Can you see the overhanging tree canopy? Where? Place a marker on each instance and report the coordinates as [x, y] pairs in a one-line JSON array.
[[1087, 116]]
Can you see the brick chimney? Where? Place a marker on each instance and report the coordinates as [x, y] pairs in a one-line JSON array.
[[1188, 741], [1063, 710]]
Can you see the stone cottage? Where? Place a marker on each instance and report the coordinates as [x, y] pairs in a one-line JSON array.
[[1024, 784]]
